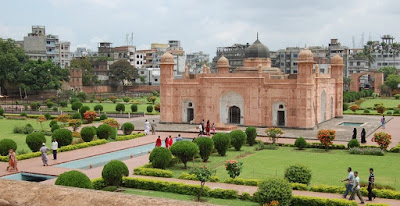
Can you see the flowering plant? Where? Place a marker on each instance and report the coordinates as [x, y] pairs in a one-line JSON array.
[[274, 133], [90, 116], [41, 119], [74, 123], [272, 203], [326, 136], [63, 118], [354, 107], [233, 167], [203, 173], [383, 139], [380, 109], [112, 122]]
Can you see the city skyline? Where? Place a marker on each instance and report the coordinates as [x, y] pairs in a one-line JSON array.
[[202, 25]]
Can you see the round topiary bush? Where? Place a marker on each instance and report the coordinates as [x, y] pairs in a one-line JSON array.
[[300, 143], [74, 99], [103, 117], [47, 116], [63, 136], [104, 131], [76, 115], [7, 144], [353, 143], [120, 108], [160, 157], [126, 99], [134, 107], [76, 105], [251, 134], [52, 122], [274, 189], [34, 106], [55, 127], [238, 138], [298, 173], [127, 128], [222, 142], [35, 140], [63, 103], [87, 133], [184, 150], [98, 107], [74, 179], [113, 171], [206, 145], [49, 105], [83, 109], [149, 109]]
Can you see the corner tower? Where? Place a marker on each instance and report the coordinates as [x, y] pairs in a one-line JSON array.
[[167, 77], [337, 74], [223, 65]]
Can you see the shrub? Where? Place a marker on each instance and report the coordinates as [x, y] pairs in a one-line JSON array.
[[155, 93], [113, 99], [251, 134], [366, 151], [274, 133], [98, 108], [113, 171], [134, 107], [27, 129], [74, 179], [274, 189], [151, 99], [206, 145], [1, 111], [126, 99], [153, 172], [345, 106], [104, 131], [81, 96], [389, 113], [353, 143], [120, 108], [103, 117], [383, 139], [63, 136], [76, 115], [160, 157], [7, 144], [298, 173], [87, 133], [84, 109], [234, 168], [128, 137], [35, 141], [203, 174], [241, 181], [49, 104], [221, 143], [63, 118], [47, 116], [184, 150], [23, 114], [90, 116], [112, 122], [354, 108], [300, 143], [34, 106], [55, 127], [127, 128], [149, 109], [326, 137], [380, 109], [187, 176], [63, 103], [397, 96], [238, 138], [157, 107], [76, 105], [366, 111]]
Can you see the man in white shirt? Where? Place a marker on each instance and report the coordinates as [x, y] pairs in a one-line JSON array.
[[350, 182], [54, 146], [356, 188]]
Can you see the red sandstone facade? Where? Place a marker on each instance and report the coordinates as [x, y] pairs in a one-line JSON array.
[[254, 95]]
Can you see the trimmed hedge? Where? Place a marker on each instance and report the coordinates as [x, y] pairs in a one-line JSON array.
[[153, 172], [74, 179], [35, 141], [298, 173], [353, 143], [241, 181], [120, 107], [127, 128], [184, 150], [76, 105], [160, 157], [251, 134], [382, 193], [134, 107], [187, 176], [238, 139], [221, 143], [128, 137], [310, 201], [63, 136], [113, 172], [301, 143], [98, 107], [206, 145], [83, 109], [7, 144], [274, 189], [104, 131]]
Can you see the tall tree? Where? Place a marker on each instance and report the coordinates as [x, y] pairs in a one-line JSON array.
[[393, 81], [387, 70], [88, 76], [122, 71]]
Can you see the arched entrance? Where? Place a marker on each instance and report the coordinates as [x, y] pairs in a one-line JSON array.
[[279, 114], [323, 106], [366, 80], [187, 110], [234, 115]]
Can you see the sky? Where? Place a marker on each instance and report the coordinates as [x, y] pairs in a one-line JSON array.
[[203, 25]]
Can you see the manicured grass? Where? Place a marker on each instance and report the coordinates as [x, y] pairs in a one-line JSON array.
[[387, 102], [328, 168], [174, 196], [7, 126]]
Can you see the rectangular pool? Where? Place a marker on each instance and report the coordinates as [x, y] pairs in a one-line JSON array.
[[351, 124], [30, 177]]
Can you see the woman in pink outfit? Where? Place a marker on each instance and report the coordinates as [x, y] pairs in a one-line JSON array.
[[213, 128]]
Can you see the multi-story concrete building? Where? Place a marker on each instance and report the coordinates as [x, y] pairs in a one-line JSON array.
[[83, 52], [235, 54], [196, 60], [386, 53]]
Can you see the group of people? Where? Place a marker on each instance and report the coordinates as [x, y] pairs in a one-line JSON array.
[[206, 129], [363, 133], [168, 141], [353, 185], [12, 163], [148, 126]]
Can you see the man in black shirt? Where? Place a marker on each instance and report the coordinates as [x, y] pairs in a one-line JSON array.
[[371, 182]]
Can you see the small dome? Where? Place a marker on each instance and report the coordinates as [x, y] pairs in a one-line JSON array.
[[257, 50], [167, 58], [223, 62], [305, 55], [337, 59]]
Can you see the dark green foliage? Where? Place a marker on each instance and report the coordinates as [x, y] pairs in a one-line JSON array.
[[127, 128], [34, 106], [206, 145], [300, 143], [7, 144], [104, 131], [47, 116], [149, 109], [49, 104], [298, 173], [83, 109], [26, 129], [55, 127], [353, 143], [1, 111], [81, 96], [23, 114], [63, 136], [103, 117], [184, 150], [52, 122], [366, 111], [74, 99], [35, 141], [76, 105], [238, 139], [76, 115], [126, 99], [87, 133], [63, 103], [120, 108], [222, 142], [74, 179], [345, 106], [251, 134], [113, 172], [160, 157], [134, 107], [98, 107], [274, 189]]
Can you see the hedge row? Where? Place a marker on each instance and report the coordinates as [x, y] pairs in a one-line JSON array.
[[305, 200], [187, 176], [255, 182], [153, 172], [128, 137], [382, 193]]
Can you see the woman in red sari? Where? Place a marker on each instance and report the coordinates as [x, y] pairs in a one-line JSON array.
[[208, 128], [170, 141], [158, 142]]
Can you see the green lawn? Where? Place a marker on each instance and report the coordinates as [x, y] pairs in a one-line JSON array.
[[327, 167], [7, 126], [174, 196], [387, 102]]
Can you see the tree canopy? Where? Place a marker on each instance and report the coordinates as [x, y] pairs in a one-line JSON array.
[[88, 76], [387, 70], [122, 71], [392, 81]]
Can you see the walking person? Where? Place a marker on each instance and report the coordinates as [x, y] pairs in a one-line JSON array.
[[371, 183], [200, 130], [354, 133], [383, 121], [170, 141], [158, 142], [44, 150], [54, 146], [146, 127], [213, 128], [12, 163], [363, 140], [153, 127], [202, 127], [167, 143], [208, 127], [356, 188], [350, 182]]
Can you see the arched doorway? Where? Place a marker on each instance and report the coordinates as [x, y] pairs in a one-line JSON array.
[[366, 81], [187, 110], [323, 106], [279, 114], [234, 115]]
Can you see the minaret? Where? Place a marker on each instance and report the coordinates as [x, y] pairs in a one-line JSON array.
[[223, 65], [167, 67], [337, 74], [305, 90], [166, 89], [204, 69], [186, 74]]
